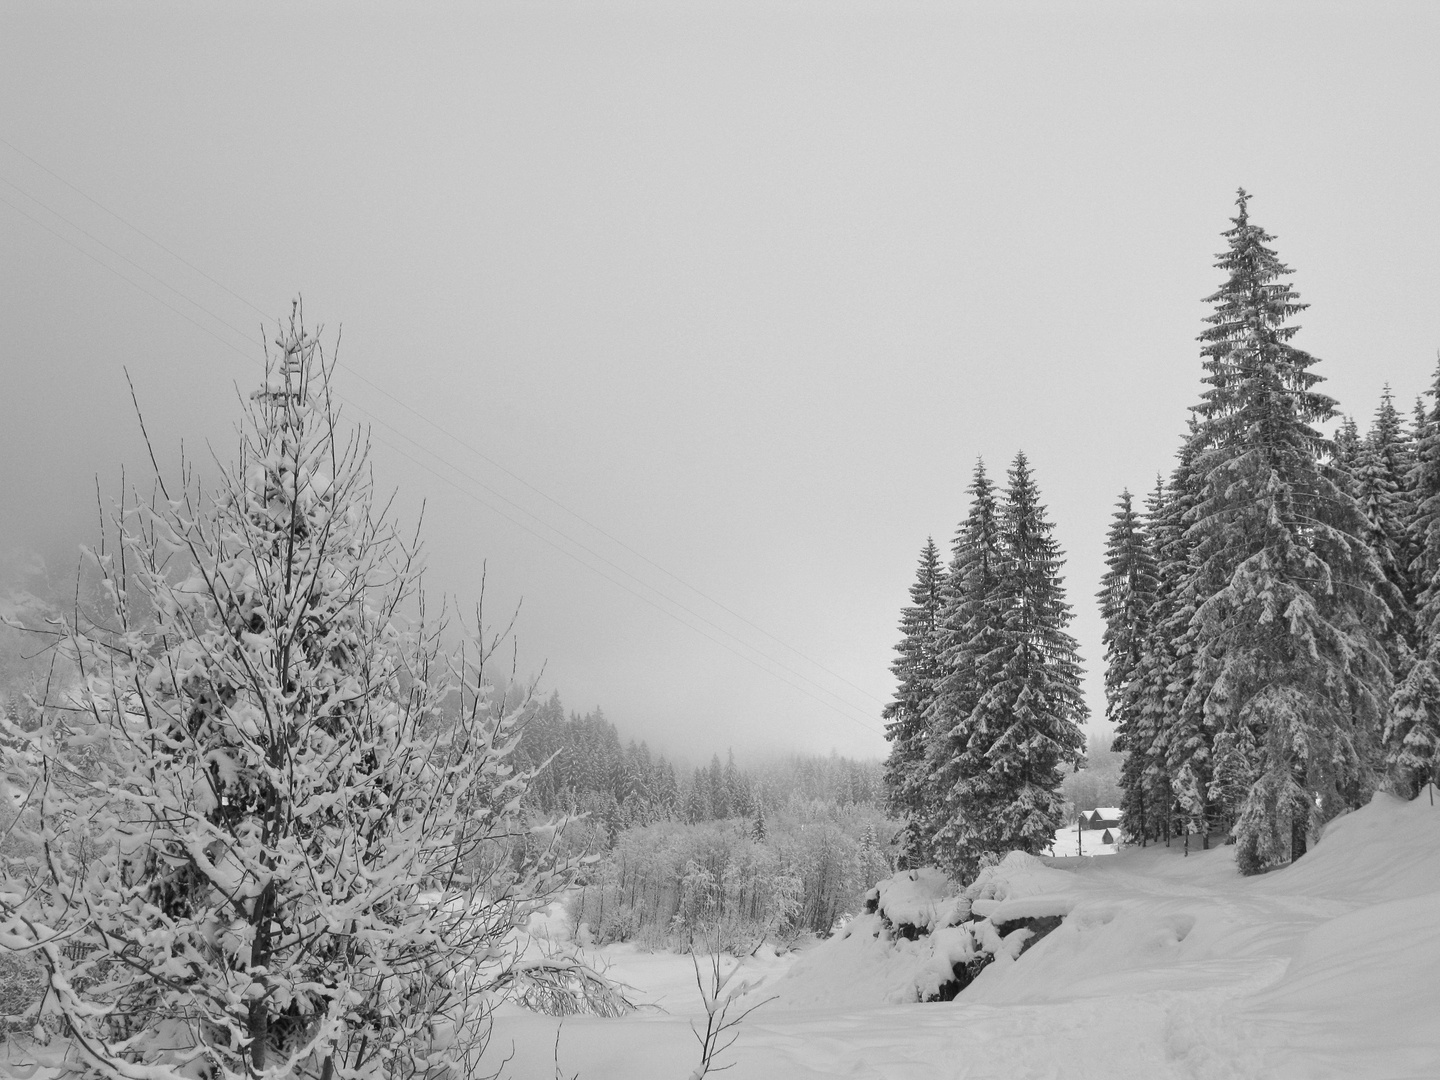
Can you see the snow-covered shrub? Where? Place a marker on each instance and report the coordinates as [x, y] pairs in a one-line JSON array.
[[915, 902], [21, 981], [274, 817]]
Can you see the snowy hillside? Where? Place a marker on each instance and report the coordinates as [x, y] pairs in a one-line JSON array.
[[1166, 965]]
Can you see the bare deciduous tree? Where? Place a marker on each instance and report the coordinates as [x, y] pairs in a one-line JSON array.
[[272, 814]]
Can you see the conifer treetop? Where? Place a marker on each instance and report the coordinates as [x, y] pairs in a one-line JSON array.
[[1247, 338], [1287, 589]]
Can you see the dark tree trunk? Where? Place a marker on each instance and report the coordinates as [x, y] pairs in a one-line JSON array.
[[261, 914], [259, 1034]]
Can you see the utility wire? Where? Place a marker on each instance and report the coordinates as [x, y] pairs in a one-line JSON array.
[[133, 228], [452, 483], [417, 414], [118, 254]]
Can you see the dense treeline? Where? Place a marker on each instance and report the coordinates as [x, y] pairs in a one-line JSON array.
[[1271, 638], [583, 767], [1272, 619]]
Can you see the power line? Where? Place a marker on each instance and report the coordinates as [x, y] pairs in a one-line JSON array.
[[495, 509], [420, 416], [118, 254], [620, 585], [475, 480], [612, 538], [133, 228], [414, 412]]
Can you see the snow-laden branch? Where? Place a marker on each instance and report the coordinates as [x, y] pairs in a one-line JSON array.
[[274, 822]]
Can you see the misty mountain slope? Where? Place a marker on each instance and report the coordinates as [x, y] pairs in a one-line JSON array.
[[1165, 966]]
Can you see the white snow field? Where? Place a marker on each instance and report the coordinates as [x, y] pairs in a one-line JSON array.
[[1165, 966]]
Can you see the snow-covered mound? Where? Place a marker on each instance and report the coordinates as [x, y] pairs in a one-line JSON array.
[[865, 965], [920, 930], [917, 901], [1019, 887]]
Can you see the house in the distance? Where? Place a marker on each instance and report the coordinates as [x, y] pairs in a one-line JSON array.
[[1092, 832], [1102, 817]]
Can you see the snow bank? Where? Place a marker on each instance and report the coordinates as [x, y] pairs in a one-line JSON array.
[[1146, 921], [921, 929], [1157, 921], [1020, 886], [864, 964], [1387, 851]]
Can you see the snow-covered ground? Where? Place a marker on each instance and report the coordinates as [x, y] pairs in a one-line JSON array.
[[1072, 841], [1167, 965]]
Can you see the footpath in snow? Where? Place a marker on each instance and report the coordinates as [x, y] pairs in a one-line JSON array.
[[1164, 966]]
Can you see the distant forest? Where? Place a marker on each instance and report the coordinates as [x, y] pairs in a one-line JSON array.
[[585, 767], [723, 853]]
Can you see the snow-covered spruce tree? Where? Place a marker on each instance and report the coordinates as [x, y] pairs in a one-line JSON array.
[[917, 670], [1347, 448], [969, 632], [1184, 732], [1382, 467], [275, 817], [1027, 721], [1169, 731], [1142, 713], [1287, 634], [1234, 763], [1128, 601], [1412, 732], [1183, 758], [1127, 596]]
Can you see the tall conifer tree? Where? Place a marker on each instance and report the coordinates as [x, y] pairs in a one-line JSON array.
[[1027, 722], [1129, 597], [1412, 733], [969, 632], [1177, 735], [1143, 716], [1347, 446], [1382, 467], [1287, 652], [918, 670]]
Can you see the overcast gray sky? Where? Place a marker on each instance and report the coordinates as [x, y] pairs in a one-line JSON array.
[[731, 292]]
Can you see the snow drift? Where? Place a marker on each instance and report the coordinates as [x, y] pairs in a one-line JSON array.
[[1322, 968]]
